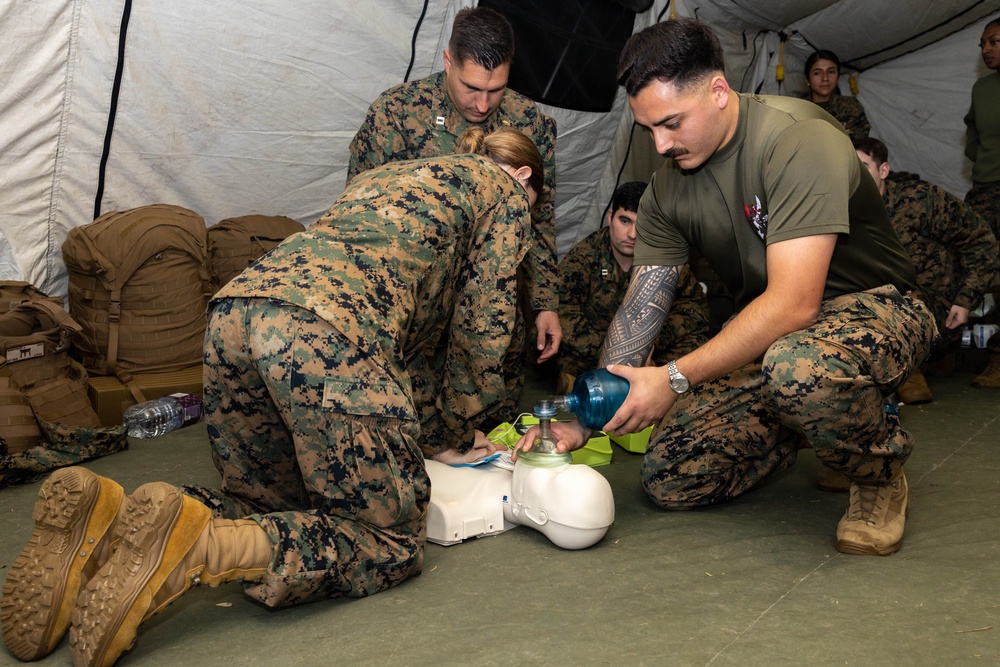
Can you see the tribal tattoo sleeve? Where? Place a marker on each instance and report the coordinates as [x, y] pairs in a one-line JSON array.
[[638, 321]]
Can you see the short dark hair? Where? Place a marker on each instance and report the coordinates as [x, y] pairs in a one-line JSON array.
[[822, 54], [682, 51], [627, 196], [482, 35], [872, 147]]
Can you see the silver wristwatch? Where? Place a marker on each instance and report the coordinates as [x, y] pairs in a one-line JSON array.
[[678, 382]]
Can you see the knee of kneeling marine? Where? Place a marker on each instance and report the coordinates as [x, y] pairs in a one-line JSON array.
[[683, 492]]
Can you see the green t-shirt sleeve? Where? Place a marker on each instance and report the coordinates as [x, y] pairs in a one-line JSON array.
[[810, 176], [658, 242]]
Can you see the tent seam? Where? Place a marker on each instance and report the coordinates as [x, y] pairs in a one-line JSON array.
[[61, 137]]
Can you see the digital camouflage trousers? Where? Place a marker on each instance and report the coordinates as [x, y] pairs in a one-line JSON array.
[[823, 387], [341, 490]]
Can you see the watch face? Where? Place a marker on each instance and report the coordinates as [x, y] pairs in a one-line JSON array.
[[678, 382]]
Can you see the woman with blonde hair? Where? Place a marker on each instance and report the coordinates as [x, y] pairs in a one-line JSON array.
[[315, 427]]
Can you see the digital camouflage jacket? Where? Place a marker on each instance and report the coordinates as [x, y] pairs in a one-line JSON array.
[[952, 248], [414, 254], [418, 120]]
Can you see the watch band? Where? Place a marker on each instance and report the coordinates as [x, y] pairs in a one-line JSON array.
[[678, 382]]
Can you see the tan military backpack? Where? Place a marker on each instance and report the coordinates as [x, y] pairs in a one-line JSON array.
[[235, 243], [139, 287]]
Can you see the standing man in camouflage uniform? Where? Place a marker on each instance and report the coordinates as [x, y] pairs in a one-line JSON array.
[[310, 413], [952, 248], [982, 146], [771, 193], [823, 78], [424, 118], [593, 278]]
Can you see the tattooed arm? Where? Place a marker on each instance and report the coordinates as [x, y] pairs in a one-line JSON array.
[[796, 277], [635, 326]]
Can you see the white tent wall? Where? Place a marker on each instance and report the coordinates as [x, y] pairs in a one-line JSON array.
[[224, 108], [34, 70], [917, 104], [230, 108]]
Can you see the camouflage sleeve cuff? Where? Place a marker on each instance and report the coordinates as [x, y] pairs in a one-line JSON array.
[[544, 299], [436, 437], [967, 300]]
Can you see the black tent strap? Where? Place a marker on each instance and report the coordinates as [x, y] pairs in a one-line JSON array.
[[113, 110], [413, 41]]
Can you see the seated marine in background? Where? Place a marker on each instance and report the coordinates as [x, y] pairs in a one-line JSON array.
[[593, 279], [953, 250], [822, 72]]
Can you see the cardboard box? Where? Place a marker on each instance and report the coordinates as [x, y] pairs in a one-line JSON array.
[[110, 397]]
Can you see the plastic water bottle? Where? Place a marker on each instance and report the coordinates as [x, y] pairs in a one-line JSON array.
[[595, 398], [162, 415]]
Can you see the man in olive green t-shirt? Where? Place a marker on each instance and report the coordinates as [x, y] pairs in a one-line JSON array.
[[770, 191], [982, 146]]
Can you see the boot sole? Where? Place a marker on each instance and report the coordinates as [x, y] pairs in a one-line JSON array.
[[158, 526], [858, 549], [74, 509]]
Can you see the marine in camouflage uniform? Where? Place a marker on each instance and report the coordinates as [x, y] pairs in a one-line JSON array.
[[849, 112], [592, 286], [953, 250], [823, 386], [419, 120], [982, 146], [313, 423]]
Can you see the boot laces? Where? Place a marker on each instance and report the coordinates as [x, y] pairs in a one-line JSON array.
[[869, 502]]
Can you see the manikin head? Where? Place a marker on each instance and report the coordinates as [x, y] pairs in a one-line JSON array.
[[477, 62], [875, 157], [572, 505]]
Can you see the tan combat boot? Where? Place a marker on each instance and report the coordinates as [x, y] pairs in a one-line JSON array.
[[915, 390], [73, 515], [990, 377], [169, 543], [873, 524]]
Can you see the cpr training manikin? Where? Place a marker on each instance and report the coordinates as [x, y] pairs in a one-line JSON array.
[[571, 504]]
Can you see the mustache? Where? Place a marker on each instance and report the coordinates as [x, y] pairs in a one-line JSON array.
[[675, 153]]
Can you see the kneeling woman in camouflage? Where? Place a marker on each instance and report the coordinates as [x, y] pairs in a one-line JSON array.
[[312, 416]]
